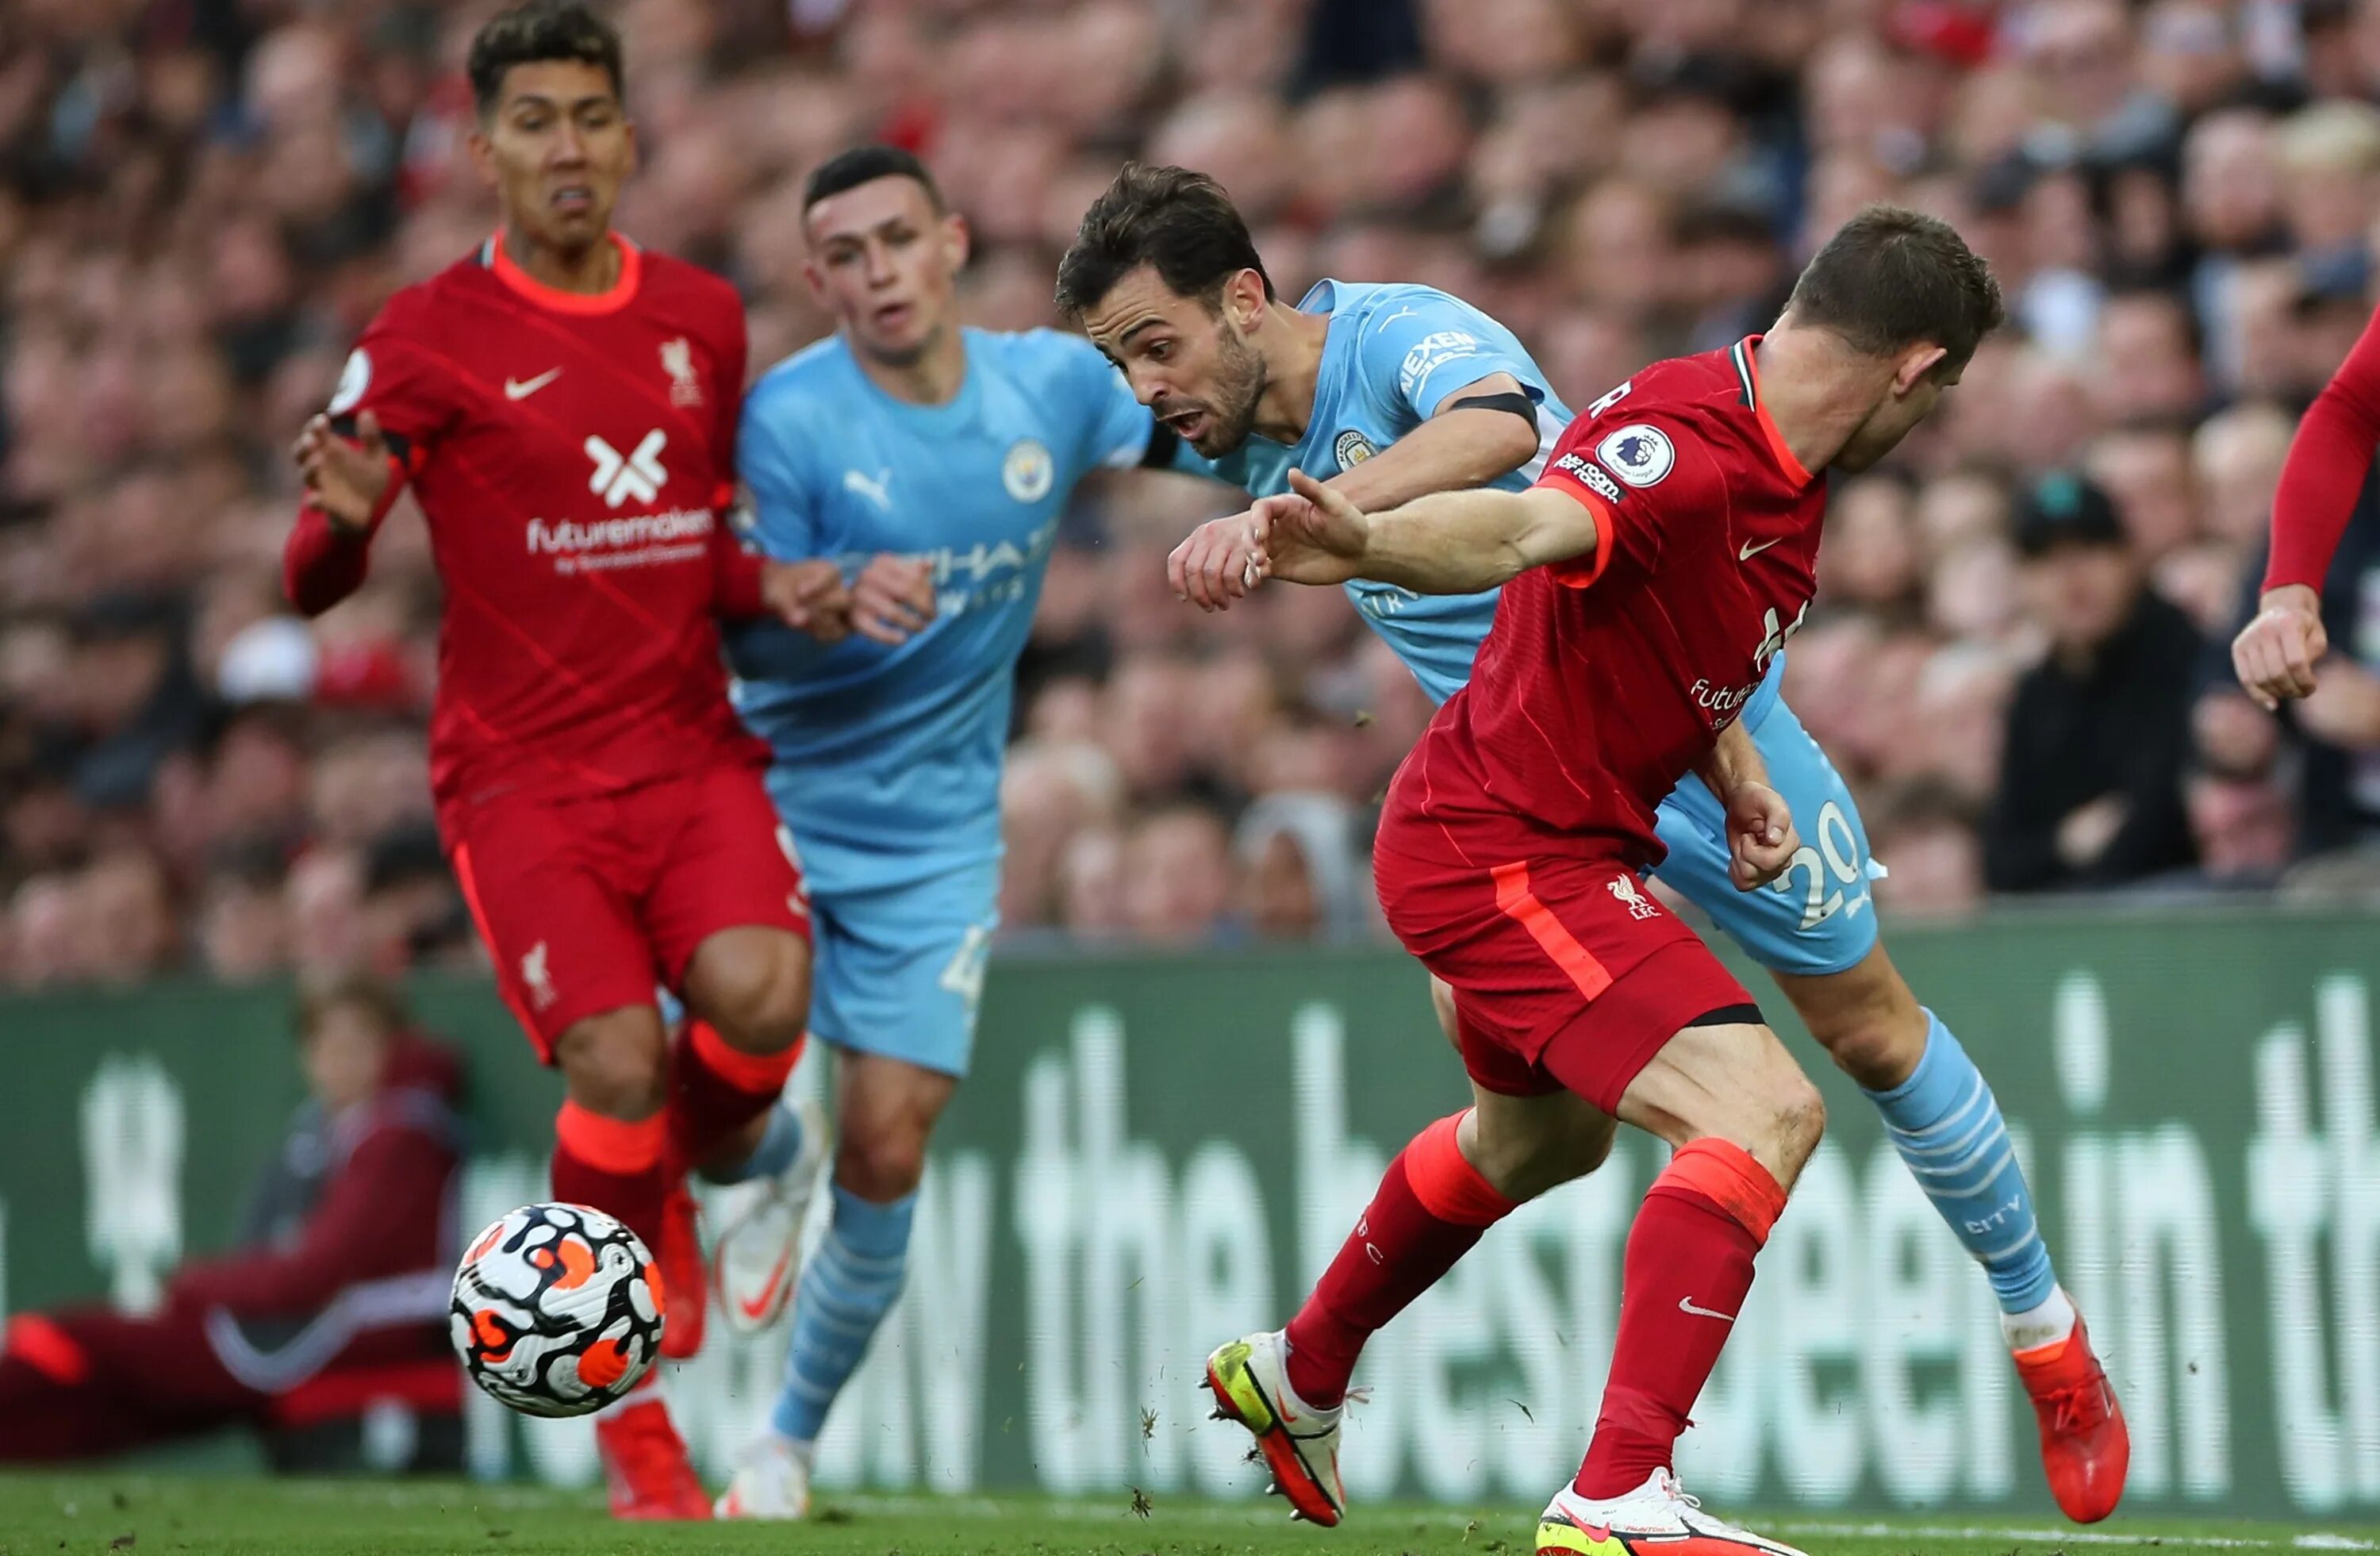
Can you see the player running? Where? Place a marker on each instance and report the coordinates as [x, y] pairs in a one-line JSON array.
[[1655, 570], [1404, 391], [932, 463], [2277, 653], [564, 405]]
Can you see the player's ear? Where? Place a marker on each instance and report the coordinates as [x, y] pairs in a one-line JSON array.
[[1915, 363], [1243, 298], [483, 153], [957, 239], [628, 128]]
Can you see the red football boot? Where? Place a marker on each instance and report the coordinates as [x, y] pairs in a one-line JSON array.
[[645, 1463], [683, 1277], [2085, 1449]]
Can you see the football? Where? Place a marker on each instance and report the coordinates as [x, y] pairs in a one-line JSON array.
[[557, 1310]]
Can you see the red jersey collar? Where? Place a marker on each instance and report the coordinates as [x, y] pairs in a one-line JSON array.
[[622, 291], [1777, 449]]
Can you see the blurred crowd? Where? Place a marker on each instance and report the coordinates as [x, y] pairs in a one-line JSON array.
[[2017, 654]]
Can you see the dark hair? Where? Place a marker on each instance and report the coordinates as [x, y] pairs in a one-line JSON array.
[[1178, 221], [865, 165], [380, 1002], [1892, 278], [533, 33]]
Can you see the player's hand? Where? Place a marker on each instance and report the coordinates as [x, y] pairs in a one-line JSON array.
[[1760, 836], [1309, 534], [344, 481], [808, 597], [893, 598], [1217, 564], [2276, 653]]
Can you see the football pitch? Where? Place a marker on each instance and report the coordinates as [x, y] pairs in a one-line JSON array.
[[145, 1514]]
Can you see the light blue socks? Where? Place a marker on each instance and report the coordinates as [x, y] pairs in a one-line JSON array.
[[779, 1144], [1946, 1125], [847, 1289]]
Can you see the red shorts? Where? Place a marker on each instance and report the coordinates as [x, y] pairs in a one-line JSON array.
[[1567, 974], [588, 904]]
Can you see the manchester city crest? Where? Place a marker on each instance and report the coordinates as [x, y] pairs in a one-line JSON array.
[[1026, 472], [1352, 448]]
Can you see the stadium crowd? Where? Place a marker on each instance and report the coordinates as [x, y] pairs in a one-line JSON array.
[[2018, 654]]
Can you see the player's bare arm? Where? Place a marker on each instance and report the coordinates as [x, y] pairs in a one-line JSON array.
[[1476, 437], [1760, 835], [2275, 655], [1447, 542], [348, 482]]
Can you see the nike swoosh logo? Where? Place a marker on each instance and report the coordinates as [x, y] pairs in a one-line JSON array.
[[753, 1310], [1686, 1305], [522, 388], [1751, 550]]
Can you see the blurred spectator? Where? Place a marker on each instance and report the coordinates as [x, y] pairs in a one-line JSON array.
[[340, 1274], [1304, 877], [2090, 789]]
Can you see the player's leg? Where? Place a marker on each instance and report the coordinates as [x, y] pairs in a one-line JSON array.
[[575, 968], [1815, 932], [1450, 1182], [900, 972], [1742, 1119], [1945, 1123], [730, 919], [542, 886], [723, 906]]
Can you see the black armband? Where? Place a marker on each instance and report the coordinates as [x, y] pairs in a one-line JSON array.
[[397, 443], [1513, 400]]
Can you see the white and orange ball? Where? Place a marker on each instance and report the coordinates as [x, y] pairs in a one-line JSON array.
[[557, 1310]]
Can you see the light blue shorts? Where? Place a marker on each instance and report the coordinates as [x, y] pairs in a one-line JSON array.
[[898, 970], [1817, 916]]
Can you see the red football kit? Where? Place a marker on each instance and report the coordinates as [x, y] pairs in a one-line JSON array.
[[1509, 853], [574, 457]]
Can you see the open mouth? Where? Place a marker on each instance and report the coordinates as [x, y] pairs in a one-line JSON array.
[[1187, 424], [893, 315], [573, 200]]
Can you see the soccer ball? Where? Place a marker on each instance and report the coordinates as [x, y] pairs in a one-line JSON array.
[[557, 1310]]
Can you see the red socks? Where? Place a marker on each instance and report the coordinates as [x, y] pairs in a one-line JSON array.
[[716, 1089], [614, 1166], [1431, 1208], [1686, 1273]]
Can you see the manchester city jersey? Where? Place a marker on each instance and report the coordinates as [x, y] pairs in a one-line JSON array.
[[888, 758]]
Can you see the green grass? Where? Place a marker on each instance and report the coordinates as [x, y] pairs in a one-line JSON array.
[[104, 1513]]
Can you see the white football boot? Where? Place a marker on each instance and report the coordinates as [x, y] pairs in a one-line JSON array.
[[1250, 1381], [1657, 1513], [771, 1482], [756, 1261]]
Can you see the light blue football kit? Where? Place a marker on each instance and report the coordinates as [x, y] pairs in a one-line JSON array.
[[887, 760], [1393, 356]]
